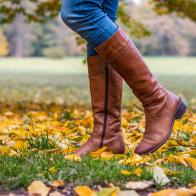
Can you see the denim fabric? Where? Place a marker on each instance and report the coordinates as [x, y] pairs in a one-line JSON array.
[[93, 20]]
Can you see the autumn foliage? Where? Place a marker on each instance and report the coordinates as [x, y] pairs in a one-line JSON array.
[[4, 49], [56, 130]]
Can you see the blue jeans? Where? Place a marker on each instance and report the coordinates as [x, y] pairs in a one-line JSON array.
[[93, 20]]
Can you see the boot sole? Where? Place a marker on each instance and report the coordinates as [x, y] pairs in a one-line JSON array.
[[180, 111]]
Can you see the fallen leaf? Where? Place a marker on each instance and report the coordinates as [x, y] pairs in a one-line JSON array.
[[185, 192], [84, 191], [165, 192], [4, 150], [194, 188], [191, 161], [68, 150], [97, 153], [38, 187], [55, 193], [175, 192], [57, 183], [125, 172], [138, 185], [20, 145], [177, 159], [135, 160], [108, 191], [129, 193], [107, 155], [138, 172], [159, 176], [52, 170], [73, 157]]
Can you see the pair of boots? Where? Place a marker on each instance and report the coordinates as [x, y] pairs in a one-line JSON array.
[[161, 107]]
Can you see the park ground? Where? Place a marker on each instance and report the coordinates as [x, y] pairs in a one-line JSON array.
[[45, 113]]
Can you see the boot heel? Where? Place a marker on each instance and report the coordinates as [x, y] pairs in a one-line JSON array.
[[181, 110]]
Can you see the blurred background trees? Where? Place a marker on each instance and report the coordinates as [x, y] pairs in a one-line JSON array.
[[3, 45], [158, 27]]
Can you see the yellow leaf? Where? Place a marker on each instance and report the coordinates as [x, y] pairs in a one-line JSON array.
[[108, 191], [171, 172], [134, 160], [68, 150], [52, 170], [4, 150], [38, 187], [177, 159], [97, 153], [20, 145], [175, 192], [82, 130], [191, 161], [125, 172], [4, 48], [184, 159], [84, 191], [58, 183], [73, 157], [165, 192], [107, 155], [192, 152], [138, 171]]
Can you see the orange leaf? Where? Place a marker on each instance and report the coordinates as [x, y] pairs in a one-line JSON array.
[[84, 191]]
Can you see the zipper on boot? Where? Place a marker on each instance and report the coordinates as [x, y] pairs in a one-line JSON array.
[[105, 105]]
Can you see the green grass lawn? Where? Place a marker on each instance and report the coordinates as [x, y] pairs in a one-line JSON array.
[[21, 171], [42, 160], [176, 66], [44, 82], [39, 79]]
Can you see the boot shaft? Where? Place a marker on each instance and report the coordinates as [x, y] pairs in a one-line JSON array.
[[106, 95], [120, 52]]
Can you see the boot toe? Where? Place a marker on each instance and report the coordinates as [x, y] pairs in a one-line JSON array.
[[86, 148], [140, 150], [144, 148]]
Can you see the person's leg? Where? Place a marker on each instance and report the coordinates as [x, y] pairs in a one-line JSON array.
[[161, 107], [106, 103], [110, 8], [87, 18]]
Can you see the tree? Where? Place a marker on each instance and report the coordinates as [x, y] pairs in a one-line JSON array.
[[170, 34], [184, 8], [32, 10], [4, 49], [43, 37], [41, 10]]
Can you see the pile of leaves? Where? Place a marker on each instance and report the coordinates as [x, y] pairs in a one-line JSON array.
[[37, 141]]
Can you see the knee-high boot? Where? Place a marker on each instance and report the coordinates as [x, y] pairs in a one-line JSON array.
[[106, 95], [161, 107]]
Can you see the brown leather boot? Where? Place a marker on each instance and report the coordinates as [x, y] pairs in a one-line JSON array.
[[106, 95], [161, 107]]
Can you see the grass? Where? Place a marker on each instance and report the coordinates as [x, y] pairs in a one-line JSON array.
[[74, 65], [45, 82], [39, 79], [20, 171]]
